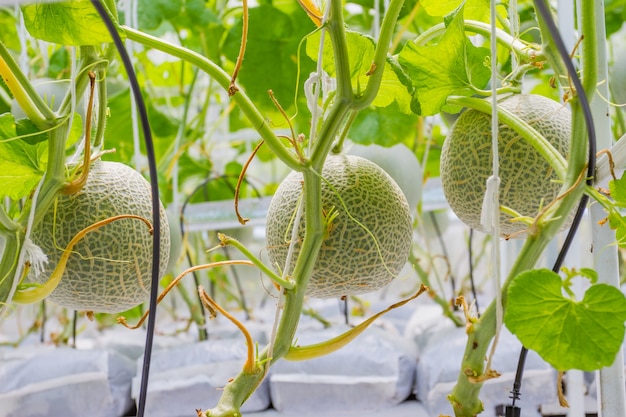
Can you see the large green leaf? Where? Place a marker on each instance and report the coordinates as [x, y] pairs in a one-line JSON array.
[[452, 67], [385, 126], [21, 163], [567, 333], [271, 59], [74, 23], [395, 85], [151, 13]]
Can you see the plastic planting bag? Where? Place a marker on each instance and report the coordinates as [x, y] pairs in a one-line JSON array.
[[373, 372], [438, 370], [45, 382], [189, 377]]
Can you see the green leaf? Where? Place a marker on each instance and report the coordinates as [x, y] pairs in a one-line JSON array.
[[119, 131], [73, 23], [21, 163], [395, 85], [617, 189], [8, 34], [271, 59], [617, 222], [440, 7], [385, 126], [59, 62], [472, 9], [566, 333], [590, 274], [452, 67], [151, 13]]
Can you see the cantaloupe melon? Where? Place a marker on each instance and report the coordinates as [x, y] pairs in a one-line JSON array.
[[365, 248], [527, 180], [110, 269]]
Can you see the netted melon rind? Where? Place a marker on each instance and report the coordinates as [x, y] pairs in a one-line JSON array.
[[110, 269], [349, 262], [527, 180]]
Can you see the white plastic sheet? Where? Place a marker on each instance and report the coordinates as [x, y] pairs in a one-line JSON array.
[[189, 377], [44, 382]]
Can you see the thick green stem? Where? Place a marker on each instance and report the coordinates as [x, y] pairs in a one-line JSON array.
[[465, 395], [242, 386], [380, 55], [223, 79]]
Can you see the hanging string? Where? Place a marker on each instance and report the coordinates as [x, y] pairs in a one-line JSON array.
[[490, 216], [315, 83]]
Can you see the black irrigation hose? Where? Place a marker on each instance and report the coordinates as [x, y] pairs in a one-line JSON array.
[[156, 207], [541, 7]]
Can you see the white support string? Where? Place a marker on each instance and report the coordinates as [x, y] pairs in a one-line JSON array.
[[315, 84], [490, 216]]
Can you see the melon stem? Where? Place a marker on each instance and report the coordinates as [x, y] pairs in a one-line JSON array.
[[227, 240]]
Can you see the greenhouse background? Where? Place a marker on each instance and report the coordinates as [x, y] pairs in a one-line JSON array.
[[216, 149]]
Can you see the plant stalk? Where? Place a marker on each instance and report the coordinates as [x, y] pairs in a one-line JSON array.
[[465, 395], [242, 386]]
